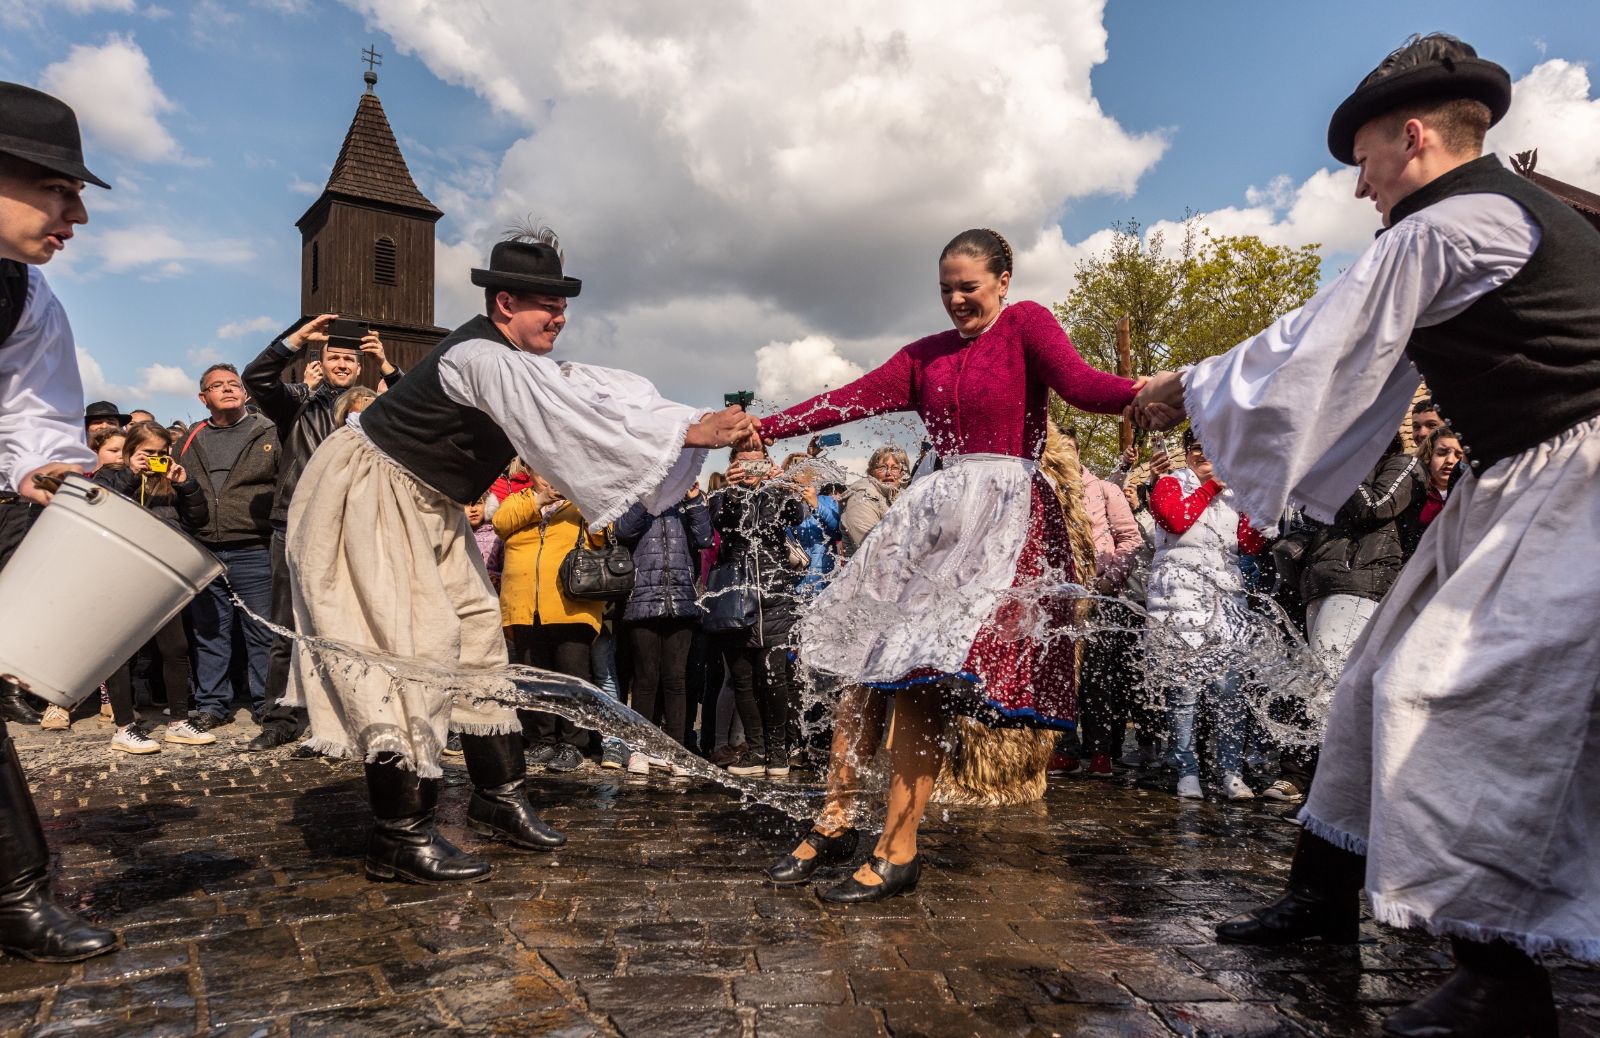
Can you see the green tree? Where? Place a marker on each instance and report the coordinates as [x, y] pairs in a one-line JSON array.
[[1184, 301]]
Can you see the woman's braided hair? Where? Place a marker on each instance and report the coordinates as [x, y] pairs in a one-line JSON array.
[[984, 244]]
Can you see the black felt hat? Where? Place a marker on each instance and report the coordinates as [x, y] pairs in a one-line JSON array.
[[105, 409], [530, 267], [1430, 68], [42, 130]]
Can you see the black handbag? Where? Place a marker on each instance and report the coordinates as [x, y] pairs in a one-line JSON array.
[[597, 574], [732, 600]]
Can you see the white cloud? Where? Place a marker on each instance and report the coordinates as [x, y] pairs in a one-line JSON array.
[[1552, 110], [155, 381], [116, 98], [248, 326], [203, 356], [304, 187], [790, 370], [125, 249], [751, 159], [456, 298], [1322, 210], [26, 14]]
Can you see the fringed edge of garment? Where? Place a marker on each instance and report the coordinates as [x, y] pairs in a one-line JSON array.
[[652, 478], [1322, 830], [1245, 505], [1393, 913], [382, 746], [489, 728]]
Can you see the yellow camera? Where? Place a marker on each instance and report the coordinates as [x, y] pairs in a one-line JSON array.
[[160, 463]]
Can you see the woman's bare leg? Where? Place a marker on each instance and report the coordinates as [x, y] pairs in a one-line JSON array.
[[857, 728], [916, 754]]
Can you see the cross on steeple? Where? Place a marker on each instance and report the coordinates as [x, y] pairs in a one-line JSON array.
[[373, 59]]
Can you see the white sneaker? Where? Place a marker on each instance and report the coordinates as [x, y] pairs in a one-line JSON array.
[[638, 763], [1189, 787], [187, 734], [131, 739], [1236, 788]]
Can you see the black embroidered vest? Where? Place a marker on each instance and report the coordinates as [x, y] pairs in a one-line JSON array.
[[1522, 363], [457, 450]]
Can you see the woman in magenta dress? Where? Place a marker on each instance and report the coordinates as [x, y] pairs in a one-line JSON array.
[[944, 602]]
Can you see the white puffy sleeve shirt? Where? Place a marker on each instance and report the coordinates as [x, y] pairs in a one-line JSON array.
[[41, 393], [1300, 413], [603, 437]]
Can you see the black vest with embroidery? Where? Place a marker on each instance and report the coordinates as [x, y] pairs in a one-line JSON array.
[[1522, 363], [457, 450]]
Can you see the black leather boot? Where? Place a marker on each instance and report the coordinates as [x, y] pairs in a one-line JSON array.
[[830, 850], [897, 879], [404, 844], [32, 925], [1495, 992], [15, 707], [1324, 884], [499, 807]]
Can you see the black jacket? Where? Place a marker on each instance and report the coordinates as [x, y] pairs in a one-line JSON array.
[[184, 505], [240, 511], [666, 557], [754, 525], [303, 416], [1360, 553]]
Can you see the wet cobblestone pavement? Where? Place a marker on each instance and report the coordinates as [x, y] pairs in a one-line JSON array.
[[235, 880]]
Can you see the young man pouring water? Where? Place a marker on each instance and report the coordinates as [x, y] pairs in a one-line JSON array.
[[42, 176], [1485, 284], [381, 556]]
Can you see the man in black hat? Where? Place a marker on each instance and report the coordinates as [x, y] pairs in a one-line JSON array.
[[41, 433], [103, 414], [1462, 751], [381, 556]]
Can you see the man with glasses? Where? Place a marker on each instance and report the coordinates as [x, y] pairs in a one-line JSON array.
[[233, 455], [869, 498]]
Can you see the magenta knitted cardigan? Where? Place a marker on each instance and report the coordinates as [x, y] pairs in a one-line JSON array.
[[985, 395]]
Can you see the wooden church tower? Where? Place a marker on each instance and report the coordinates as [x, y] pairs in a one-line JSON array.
[[367, 241]]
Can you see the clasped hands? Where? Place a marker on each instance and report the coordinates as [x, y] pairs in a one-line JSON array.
[[1159, 403]]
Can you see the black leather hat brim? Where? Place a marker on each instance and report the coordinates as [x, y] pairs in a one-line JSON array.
[[67, 167], [1470, 78], [527, 283]]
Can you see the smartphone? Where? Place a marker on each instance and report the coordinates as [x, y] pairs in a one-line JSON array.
[[742, 398], [829, 440], [344, 334], [160, 463]]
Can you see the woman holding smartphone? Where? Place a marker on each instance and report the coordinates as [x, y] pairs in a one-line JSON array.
[[150, 476]]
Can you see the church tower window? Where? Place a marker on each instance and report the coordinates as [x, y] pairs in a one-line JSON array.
[[383, 261]]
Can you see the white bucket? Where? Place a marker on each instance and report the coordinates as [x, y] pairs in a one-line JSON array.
[[93, 580]]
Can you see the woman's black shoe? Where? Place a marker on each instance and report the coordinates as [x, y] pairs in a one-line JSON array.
[[1323, 900], [831, 850], [1495, 992], [897, 879], [499, 806]]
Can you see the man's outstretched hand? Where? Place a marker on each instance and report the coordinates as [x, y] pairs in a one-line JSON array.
[[1159, 404], [729, 427]]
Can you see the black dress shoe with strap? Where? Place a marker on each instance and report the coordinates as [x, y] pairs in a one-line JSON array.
[[897, 879], [830, 850]]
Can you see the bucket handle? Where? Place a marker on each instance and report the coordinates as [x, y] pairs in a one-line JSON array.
[[54, 484]]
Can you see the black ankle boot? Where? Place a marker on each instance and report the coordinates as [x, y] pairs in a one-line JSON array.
[[1324, 884], [897, 879], [830, 850], [14, 707], [32, 925], [499, 807], [1495, 992], [404, 844]]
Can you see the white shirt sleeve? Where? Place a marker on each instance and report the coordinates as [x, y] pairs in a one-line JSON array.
[[1300, 413], [604, 438], [41, 393]]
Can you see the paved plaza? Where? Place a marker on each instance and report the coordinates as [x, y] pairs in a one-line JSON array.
[[236, 882]]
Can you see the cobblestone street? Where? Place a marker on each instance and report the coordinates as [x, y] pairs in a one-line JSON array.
[[236, 882]]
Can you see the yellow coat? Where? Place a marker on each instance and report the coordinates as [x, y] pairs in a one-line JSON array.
[[530, 588]]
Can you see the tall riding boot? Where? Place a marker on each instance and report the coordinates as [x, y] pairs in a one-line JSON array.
[[1324, 884], [1496, 992], [404, 844], [13, 707], [499, 807], [32, 925]]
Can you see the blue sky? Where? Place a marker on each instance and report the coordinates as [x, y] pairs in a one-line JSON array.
[[731, 235]]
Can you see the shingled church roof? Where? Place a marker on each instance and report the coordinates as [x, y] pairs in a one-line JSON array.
[[370, 165], [1586, 203]]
